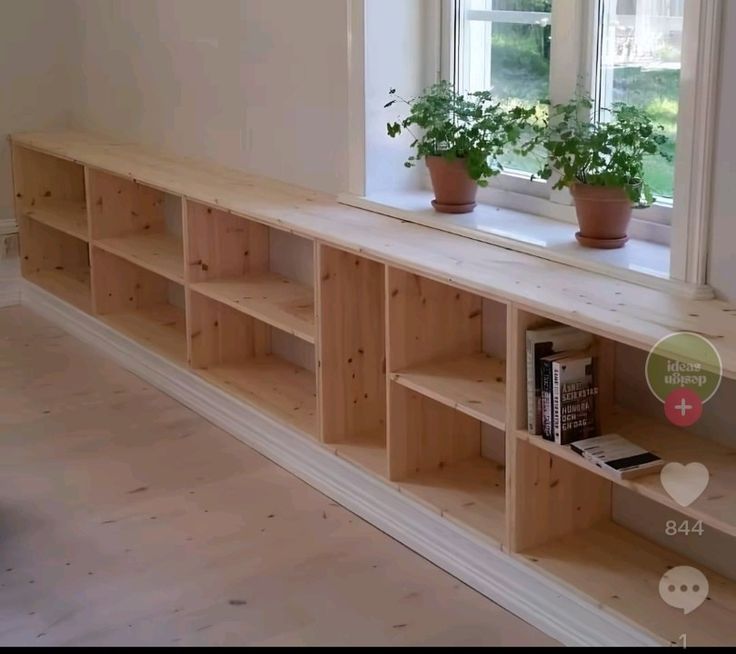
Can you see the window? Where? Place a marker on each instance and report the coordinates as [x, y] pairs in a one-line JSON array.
[[662, 55], [527, 50]]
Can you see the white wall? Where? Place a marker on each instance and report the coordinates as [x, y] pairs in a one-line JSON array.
[[254, 84], [722, 256], [37, 78]]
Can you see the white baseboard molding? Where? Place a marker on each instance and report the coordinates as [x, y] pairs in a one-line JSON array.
[[8, 226], [507, 581], [10, 282]]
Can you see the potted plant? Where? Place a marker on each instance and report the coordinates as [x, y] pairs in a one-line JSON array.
[[602, 163], [461, 137]]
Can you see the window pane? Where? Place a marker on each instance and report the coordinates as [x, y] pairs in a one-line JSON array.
[[506, 48], [641, 48]]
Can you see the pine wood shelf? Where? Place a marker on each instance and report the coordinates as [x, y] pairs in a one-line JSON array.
[[269, 297], [621, 571], [68, 216], [474, 384], [282, 389], [716, 507], [71, 285], [161, 327], [470, 493], [161, 253]]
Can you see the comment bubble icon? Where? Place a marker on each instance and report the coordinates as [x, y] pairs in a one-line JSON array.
[[684, 588]]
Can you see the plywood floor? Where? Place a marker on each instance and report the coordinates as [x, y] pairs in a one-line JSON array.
[[127, 519]]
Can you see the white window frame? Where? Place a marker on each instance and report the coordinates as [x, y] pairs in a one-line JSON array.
[[683, 224]]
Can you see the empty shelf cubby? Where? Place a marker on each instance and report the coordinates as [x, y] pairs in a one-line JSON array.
[[138, 223], [260, 271], [253, 361], [142, 305]]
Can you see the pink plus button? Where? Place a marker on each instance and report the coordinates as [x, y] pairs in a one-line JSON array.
[[683, 407]]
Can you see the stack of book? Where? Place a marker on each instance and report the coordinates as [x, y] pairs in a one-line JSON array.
[[562, 389]]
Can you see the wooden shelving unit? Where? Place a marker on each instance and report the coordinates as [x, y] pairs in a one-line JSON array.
[[401, 351]]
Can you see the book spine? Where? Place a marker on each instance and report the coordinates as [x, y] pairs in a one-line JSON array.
[[531, 389], [546, 400], [556, 401]]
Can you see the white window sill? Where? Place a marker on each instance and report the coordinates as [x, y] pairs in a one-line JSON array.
[[640, 262]]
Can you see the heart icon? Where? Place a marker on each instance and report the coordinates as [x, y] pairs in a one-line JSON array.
[[684, 483]]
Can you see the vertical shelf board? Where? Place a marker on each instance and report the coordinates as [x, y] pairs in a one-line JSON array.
[[435, 456], [352, 369], [139, 303], [234, 351], [228, 261], [55, 261], [138, 223], [50, 190]]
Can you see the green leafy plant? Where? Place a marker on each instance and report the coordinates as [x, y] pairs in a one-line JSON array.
[[601, 153], [473, 127]]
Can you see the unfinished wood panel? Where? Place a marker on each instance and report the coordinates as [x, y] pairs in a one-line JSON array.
[[222, 246], [42, 181], [269, 297], [219, 334], [473, 383], [620, 571], [68, 216], [351, 364], [551, 498], [138, 303], [138, 223], [425, 435], [428, 320], [55, 261], [234, 351], [121, 206], [435, 456]]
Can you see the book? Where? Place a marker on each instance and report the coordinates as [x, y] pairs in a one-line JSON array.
[[542, 342], [547, 399], [574, 398], [618, 456]]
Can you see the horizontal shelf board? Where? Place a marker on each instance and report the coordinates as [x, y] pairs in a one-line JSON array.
[[68, 216], [73, 286], [162, 328], [367, 451], [470, 493], [159, 252], [716, 507], [282, 389], [474, 384], [621, 571], [269, 297]]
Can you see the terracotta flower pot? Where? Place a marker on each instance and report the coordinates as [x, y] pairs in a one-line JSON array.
[[603, 214], [454, 188]]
